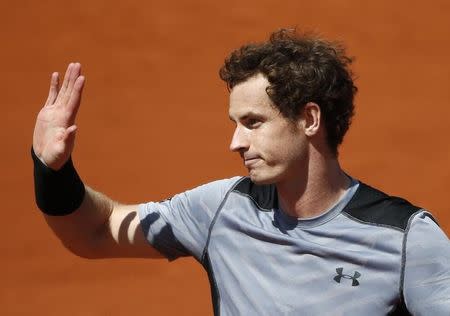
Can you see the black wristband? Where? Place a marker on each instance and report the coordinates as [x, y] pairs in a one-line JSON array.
[[58, 192]]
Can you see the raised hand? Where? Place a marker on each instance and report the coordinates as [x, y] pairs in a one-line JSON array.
[[54, 133]]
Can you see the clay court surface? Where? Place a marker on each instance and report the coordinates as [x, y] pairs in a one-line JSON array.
[[154, 122]]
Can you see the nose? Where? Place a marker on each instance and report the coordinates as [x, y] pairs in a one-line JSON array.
[[239, 140]]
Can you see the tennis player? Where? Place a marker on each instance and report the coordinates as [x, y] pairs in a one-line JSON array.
[[297, 236]]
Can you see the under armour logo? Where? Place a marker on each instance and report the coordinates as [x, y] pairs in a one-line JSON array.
[[340, 275]]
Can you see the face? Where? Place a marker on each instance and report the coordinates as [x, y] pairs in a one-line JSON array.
[[273, 148]]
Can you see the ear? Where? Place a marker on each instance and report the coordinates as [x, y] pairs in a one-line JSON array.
[[311, 119]]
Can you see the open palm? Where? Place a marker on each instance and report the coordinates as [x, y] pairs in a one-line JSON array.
[[54, 133]]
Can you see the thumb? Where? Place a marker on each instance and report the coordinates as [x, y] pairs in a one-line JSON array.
[[71, 129], [69, 136]]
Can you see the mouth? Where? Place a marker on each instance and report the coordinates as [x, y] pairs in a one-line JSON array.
[[250, 161]]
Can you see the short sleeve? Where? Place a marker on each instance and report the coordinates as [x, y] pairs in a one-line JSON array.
[[179, 226], [426, 287]]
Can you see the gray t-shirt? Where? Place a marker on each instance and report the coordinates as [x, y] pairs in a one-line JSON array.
[[370, 254]]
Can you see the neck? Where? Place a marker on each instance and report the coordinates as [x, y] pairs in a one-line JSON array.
[[315, 190]]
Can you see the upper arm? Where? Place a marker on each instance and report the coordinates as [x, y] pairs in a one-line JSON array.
[[175, 227], [122, 235], [426, 286], [102, 228]]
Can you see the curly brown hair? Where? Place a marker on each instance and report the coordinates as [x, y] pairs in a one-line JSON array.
[[301, 68]]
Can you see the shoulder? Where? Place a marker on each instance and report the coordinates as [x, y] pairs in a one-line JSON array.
[[205, 196], [372, 206]]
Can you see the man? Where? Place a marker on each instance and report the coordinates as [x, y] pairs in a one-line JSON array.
[[298, 235]]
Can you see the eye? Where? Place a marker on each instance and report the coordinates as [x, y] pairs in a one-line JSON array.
[[252, 123]]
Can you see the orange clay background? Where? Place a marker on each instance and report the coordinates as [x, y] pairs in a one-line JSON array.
[[154, 122]]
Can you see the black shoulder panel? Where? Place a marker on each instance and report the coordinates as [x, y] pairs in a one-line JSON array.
[[373, 206], [264, 196]]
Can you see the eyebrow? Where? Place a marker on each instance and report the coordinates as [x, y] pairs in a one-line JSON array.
[[247, 115]]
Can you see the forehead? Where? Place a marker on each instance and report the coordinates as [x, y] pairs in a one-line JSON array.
[[251, 96]]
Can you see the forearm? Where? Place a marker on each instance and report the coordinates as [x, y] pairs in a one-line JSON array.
[[80, 230], [102, 228], [87, 222]]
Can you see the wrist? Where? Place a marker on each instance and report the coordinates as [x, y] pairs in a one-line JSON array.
[[57, 192]]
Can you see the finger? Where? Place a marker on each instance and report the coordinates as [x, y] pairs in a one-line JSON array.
[[53, 92], [76, 71], [74, 101], [65, 83], [73, 76]]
